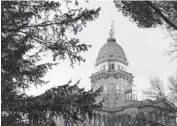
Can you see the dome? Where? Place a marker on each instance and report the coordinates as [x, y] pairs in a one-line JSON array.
[[111, 51]]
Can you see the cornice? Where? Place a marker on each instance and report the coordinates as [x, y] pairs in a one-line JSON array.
[[116, 74], [112, 58], [119, 109]]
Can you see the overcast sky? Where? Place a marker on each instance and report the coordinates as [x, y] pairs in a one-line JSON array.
[[144, 48]]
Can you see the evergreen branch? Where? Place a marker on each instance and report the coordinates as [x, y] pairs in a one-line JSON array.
[[161, 15]]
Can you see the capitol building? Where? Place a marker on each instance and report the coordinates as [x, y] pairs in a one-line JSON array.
[[121, 106]]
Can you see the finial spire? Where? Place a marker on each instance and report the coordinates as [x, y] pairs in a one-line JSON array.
[[111, 33]]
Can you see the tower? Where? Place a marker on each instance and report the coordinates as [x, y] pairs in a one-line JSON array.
[[111, 74]]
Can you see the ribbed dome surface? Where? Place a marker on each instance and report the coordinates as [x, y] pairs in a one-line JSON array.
[[111, 49]]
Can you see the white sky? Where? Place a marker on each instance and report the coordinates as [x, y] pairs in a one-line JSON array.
[[144, 48]]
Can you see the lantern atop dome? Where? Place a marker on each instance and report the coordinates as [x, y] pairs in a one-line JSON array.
[[111, 33]]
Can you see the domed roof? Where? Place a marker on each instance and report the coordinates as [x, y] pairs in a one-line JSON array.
[[112, 50]]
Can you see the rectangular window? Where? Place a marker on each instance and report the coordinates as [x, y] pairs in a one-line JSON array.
[[127, 97], [111, 67]]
